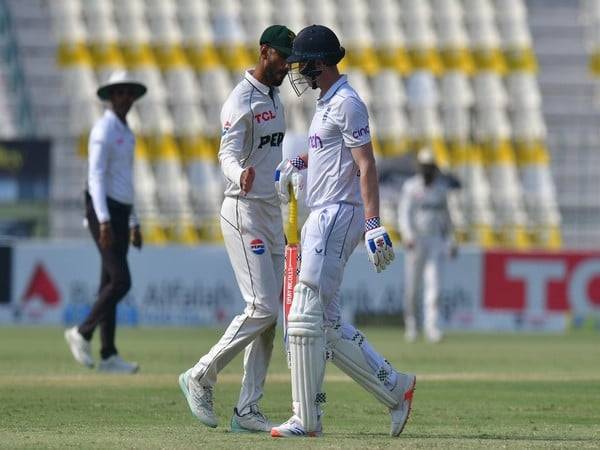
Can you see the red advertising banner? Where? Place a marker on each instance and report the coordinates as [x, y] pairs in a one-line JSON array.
[[539, 282]]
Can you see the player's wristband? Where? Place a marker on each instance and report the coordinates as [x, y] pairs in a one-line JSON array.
[[298, 163], [372, 222]]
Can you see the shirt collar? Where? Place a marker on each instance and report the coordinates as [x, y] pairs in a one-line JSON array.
[[257, 84], [333, 89], [109, 113]]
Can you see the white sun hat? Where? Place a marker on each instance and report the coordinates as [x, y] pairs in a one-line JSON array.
[[120, 78], [425, 156]]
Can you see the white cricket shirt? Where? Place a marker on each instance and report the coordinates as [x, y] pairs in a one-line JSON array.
[[424, 209], [253, 125], [340, 123], [110, 171]]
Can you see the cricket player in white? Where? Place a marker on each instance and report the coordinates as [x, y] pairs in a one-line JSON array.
[[343, 197], [253, 129], [426, 230]]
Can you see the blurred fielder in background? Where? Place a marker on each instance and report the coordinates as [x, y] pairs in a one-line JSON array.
[[111, 220], [426, 230], [253, 129], [341, 177]]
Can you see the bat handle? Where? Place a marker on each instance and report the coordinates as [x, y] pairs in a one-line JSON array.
[[293, 219]]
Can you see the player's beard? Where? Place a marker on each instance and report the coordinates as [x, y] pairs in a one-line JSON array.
[[275, 77]]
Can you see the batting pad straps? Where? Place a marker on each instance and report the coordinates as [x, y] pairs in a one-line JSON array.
[[307, 354], [348, 356]]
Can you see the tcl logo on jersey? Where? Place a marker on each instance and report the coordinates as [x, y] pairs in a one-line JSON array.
[[274, 139], [539, 282], [264, 116], [360, 132], [315, 141], [257, 246]]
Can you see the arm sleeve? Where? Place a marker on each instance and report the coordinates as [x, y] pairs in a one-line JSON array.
[[405, 212], [234, 127], [354, 123], [99, 155]]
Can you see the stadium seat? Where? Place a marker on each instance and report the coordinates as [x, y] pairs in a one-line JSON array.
[[229, 34], [489, 89], [288, 13], [452, 38], [102, 37], [323, 12], [420, 37], [590, 17], [358, 39], [425, 125], [523, 90], [146, 201], [256, 16], [483, 35], [389, 41], [387, 88], [197, 34]]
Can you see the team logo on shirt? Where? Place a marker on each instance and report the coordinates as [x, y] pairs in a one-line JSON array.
[[226, 128], [315, 141], [257, 246], [360, 132]]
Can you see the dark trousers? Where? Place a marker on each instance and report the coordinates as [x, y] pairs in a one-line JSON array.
[[115, 280]]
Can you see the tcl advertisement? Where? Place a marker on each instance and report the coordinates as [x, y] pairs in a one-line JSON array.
[[540, 290]]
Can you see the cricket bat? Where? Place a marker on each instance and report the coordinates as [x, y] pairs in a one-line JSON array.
[[292, 262]]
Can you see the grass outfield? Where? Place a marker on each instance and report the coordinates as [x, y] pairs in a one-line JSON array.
[[472, 391]]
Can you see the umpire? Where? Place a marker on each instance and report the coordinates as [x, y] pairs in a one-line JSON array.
[[111, 220]]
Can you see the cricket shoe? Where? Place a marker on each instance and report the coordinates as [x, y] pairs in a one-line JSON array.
[[199, 398], [410, 329], [251, 422], [293, 428], [80, 348], [116, 364], [406, 387], [434, 335]]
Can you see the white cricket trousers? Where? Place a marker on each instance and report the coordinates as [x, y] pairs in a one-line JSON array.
[[329, 236], [423, 267], [253, 234]]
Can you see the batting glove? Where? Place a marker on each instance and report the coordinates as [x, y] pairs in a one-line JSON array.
[[378, 243], [286, 174]]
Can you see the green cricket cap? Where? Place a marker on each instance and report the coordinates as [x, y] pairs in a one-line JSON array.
[[280, 38]]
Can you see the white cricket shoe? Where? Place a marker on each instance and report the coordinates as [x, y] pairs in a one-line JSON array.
[[410, 329], [199, 398], [406, 385], [293, 428], [80, 348], [251, 422], [434, 336], [116, 364]]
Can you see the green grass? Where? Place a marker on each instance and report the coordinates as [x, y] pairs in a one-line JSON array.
[[473, 391]]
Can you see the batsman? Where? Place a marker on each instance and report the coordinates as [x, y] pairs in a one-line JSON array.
[[342, 194]]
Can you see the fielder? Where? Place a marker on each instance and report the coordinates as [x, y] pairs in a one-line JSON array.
[[427, 233], [253, 129], [343, 197]]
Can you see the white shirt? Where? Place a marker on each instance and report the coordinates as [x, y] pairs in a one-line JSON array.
[[110, 172], [424, 209], [340, 123], [253, 125]]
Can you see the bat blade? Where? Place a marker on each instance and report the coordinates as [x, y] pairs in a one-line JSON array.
[[290, 278]]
